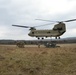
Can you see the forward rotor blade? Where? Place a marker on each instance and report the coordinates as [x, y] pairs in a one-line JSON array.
[[21, 26], [46, 20], [70, 20]]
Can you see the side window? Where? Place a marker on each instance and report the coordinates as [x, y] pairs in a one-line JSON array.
[[48, 32], [32, 32]]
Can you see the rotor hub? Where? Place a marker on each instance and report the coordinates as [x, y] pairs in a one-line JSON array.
[[32, 28]]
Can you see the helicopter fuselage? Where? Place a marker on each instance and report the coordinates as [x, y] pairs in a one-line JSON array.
[[57, 31]]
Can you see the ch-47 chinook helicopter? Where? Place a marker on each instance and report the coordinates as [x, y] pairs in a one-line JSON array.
[[58, 29]]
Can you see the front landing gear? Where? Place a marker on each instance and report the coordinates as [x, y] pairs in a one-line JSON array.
[[38, 38], [57, 38], [41, 38], [39, 41]]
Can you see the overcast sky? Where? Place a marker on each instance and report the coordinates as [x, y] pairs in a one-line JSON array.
[[24, 12]]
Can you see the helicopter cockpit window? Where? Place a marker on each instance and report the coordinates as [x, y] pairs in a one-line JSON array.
[[59, 28]]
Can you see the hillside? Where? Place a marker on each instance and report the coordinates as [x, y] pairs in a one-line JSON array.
[[62, 40]]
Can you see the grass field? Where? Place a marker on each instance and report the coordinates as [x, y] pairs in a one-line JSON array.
[[32, 60]]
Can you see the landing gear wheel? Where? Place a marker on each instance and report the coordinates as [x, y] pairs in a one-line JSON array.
[[55, 37], [38, 38], [42, 38], [59, 37]]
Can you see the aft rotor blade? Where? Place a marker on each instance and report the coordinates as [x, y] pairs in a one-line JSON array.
[[21, 26], [46, 20], [70, 20], [44, 24]]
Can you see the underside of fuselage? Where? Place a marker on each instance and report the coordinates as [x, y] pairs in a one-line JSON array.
[[45, 33]]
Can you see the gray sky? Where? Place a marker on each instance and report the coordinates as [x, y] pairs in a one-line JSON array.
[[24, 12]]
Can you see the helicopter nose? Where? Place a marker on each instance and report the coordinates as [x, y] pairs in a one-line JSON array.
[[29, 34]]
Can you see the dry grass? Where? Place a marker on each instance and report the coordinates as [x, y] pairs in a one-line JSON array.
[[38, 61]]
